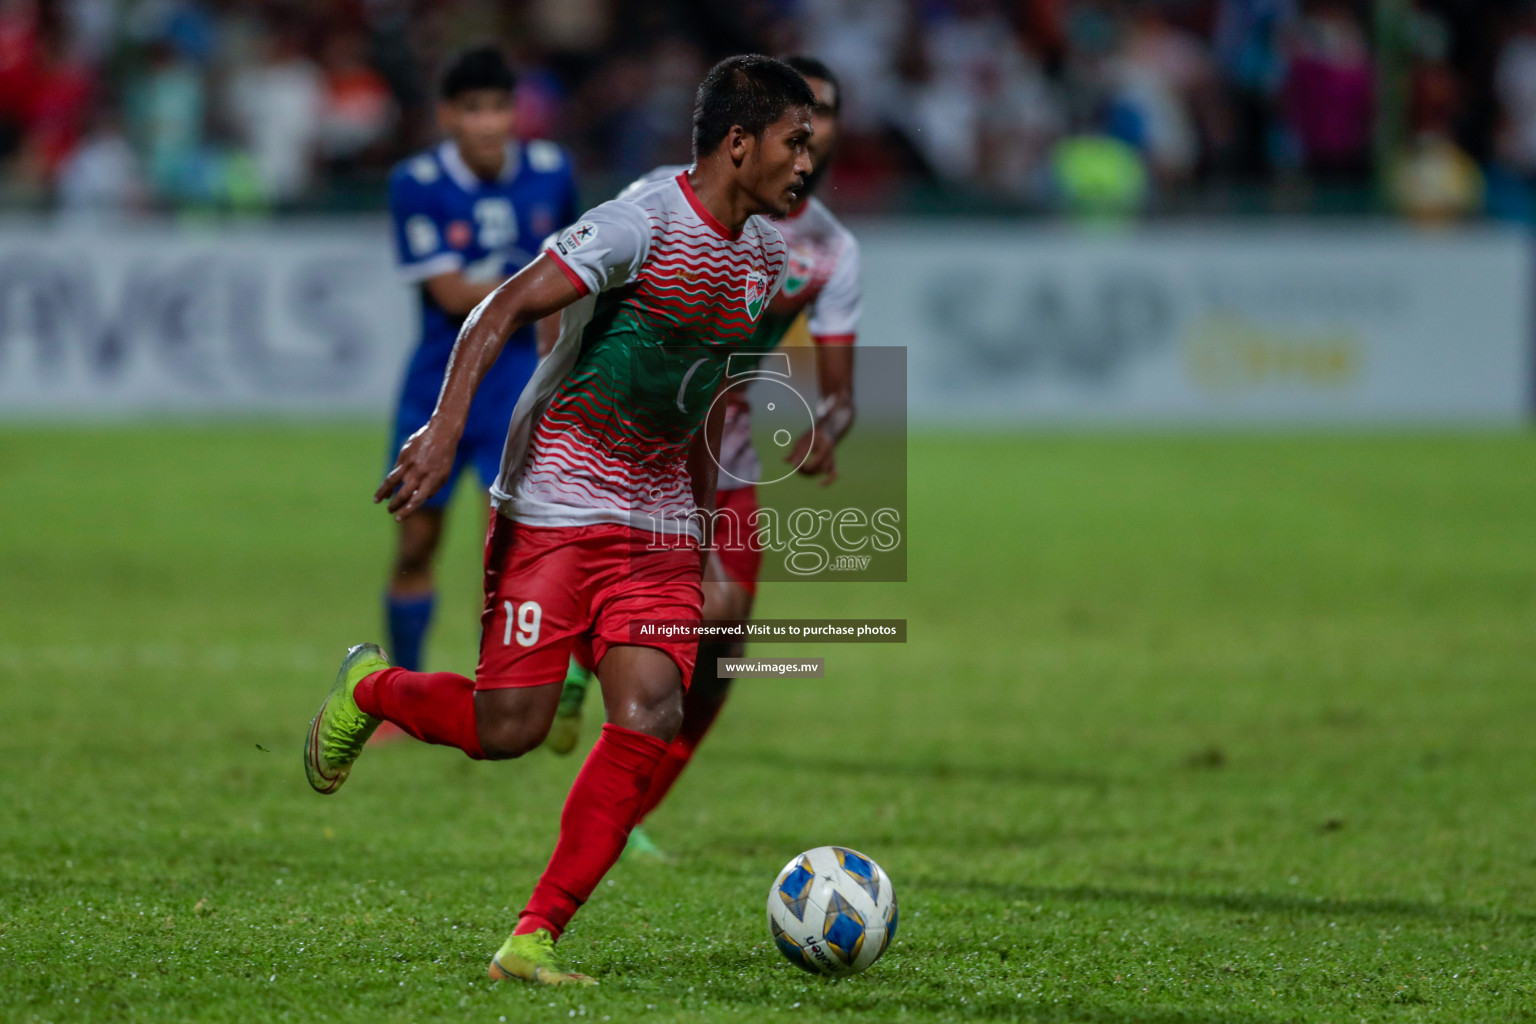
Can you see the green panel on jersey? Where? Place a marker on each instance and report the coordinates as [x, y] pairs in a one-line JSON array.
[[641, 386]]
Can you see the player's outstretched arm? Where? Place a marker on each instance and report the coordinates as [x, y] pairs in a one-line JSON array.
[[426, 459]]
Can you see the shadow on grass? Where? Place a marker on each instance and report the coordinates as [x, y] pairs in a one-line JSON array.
[[996, 1008], [893, 989], [880, 1002], [937, 770], [1233, 902]]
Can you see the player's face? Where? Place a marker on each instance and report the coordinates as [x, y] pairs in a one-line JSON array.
[[779, 163], [823, 124], [480, 122]]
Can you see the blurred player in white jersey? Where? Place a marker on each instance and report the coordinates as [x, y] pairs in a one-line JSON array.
[[823, 283]]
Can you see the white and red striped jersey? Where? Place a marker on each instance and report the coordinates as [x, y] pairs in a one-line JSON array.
[[823, 281], [603, 430]]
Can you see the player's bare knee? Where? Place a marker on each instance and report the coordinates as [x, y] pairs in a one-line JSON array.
[[642, 690], [511, 722], [502, 740], [659, 714], [655, 708], [500, 749], [498, 738]]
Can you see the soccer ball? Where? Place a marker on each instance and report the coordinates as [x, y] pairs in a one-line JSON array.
[[832, 911]]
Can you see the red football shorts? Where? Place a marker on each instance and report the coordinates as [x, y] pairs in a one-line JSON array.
[[739, 547], [556, 591]]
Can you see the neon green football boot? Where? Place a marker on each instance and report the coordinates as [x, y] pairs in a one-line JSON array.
[[339, 730], [531, 957], [642, 847], [565, 730]]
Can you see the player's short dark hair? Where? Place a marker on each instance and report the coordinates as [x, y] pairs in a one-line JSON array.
[[484, 67], [750, 90], [812, 67]]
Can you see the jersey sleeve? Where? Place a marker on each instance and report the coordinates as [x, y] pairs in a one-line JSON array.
[[605, 248], [420, 247], [650, 177], [834, 316]]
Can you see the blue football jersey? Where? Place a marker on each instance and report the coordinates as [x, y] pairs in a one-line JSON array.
[[446, 218]]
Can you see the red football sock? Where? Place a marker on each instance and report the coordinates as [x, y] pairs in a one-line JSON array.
[[603, 806], [672, 764], [701, 706], [438, 707]]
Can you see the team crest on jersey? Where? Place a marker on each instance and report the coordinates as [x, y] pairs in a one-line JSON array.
[[460, 234], [757, 291], [576, 237], [799, 274]]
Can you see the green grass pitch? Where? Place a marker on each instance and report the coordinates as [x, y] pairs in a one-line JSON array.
[[1187, 729]]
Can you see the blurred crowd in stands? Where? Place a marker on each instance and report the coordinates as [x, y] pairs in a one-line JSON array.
[[1423, 106]]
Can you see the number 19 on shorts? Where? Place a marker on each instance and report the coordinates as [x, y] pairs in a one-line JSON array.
[[525, 618]]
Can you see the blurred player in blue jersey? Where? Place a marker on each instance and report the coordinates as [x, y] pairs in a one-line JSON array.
[[468, 214]]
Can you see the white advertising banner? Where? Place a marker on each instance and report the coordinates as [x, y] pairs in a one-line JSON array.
[[1004, 324], [307, 317], [1264, 325]]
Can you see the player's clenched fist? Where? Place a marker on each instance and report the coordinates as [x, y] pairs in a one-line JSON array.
[[423, 466], [815, 455]]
